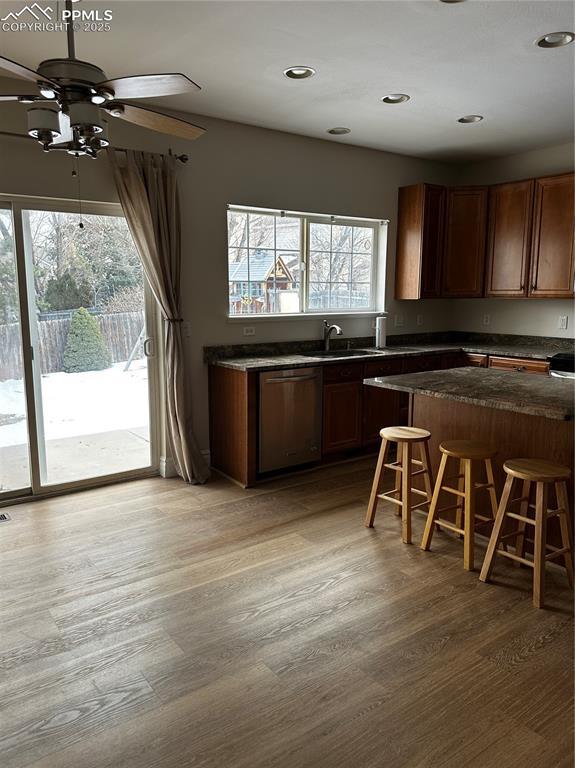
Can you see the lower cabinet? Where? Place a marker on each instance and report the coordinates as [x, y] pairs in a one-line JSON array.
[[342, 410], [382, 407]]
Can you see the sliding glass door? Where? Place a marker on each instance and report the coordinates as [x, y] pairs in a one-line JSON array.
[[14, 446], [92, 379]]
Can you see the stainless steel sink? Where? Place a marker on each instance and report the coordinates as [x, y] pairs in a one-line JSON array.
[[342, 353]]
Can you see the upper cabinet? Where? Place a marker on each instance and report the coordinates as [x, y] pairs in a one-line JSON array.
[[465, 233], [552, 253], [509, 239], [421, 210]]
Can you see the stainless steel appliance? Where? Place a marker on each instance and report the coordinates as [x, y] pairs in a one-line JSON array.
[[562, 365], [290, 417]]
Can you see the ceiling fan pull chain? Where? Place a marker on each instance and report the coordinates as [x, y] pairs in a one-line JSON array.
[[76, 175]]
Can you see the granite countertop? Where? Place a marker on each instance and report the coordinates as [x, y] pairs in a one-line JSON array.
[[502, 390], [277, 362]]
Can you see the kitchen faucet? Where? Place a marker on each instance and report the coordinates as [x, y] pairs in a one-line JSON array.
[[327, 331]]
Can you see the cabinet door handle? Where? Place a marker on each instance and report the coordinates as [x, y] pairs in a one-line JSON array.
[[520, 368]]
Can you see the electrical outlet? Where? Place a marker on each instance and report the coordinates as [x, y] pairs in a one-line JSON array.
[[486, 319], [419, 320], [398, 321], [187, 329], [563, 322], [249, 330], [374, 324]]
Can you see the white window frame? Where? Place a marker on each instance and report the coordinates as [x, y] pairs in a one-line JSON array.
[[305, 219]]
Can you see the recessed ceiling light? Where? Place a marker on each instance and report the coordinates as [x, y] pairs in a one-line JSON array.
[[299, 73], [555, 39], [339, 131], [470, 119], [395, 98]]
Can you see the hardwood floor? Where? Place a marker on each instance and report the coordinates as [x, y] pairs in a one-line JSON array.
[[157, 625]]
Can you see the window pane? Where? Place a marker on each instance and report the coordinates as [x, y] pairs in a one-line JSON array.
[[318, 295], [341, 238], [237, 229], [339, 296], [319, 237], [288, 233], [362, 240], [340, 267], [286, 296], [361, 268], [319, 267], [261, 230], [360, 295]]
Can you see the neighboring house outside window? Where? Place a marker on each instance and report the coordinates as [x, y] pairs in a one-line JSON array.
[[293, 263]]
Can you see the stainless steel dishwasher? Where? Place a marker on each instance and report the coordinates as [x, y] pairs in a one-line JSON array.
[[290, 417]]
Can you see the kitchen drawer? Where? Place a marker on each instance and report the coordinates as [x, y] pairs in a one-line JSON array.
[[343, 373], [519, 364], [383, 368], [474, 359]]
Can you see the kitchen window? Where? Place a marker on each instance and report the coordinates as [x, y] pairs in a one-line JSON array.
[[283, 262]]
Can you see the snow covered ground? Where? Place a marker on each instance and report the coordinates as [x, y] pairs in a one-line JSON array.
[[80, 403]]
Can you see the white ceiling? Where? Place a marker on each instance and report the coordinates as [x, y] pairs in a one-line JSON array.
[[454, 59]]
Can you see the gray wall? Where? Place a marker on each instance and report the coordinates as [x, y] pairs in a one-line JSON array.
[[241, 164]]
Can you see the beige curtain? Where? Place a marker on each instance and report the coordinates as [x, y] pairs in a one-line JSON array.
[[148, 191]]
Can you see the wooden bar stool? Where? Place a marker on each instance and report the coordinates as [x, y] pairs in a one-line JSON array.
[[543, 474], [406, 438], [468, 452]]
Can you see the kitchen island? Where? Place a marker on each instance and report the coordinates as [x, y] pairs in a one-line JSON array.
[[522, 416]]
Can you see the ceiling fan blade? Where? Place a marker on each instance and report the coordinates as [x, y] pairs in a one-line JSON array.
[[155, 121], [19, 70], [148, 86]]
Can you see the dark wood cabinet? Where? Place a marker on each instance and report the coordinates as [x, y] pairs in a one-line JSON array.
[[552, 252], [421, 212], [465, 235], [342, 416], [382, 407], [509, 239]]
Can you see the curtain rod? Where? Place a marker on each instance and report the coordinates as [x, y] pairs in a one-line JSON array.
[[301, 214], [182, 158]]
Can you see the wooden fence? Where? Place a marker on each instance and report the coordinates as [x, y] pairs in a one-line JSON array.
[[120, 331]]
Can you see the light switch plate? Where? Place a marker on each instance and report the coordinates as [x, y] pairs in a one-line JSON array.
[[249, 330], [419, 320], [563, 322], [398, 321]]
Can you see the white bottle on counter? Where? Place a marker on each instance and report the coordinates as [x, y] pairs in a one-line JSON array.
[[380, 331]]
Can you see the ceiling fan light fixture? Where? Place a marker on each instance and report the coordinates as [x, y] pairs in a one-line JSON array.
[[116, 111], [299, 72], [43, 123], [47, 91], [101, 96], [555, 39], [86, 117]]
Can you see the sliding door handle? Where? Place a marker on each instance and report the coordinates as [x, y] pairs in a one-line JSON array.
[[149, 347]]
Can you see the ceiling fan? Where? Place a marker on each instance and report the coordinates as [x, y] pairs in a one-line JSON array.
[[68, 107]]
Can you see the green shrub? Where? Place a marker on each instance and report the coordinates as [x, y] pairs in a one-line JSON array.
[[85, 348], [65, 293]]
